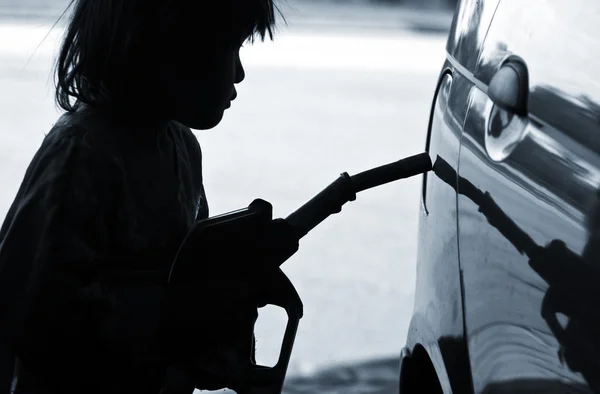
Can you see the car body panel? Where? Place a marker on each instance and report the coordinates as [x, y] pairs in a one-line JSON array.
[[468, 30], [437, 322], [529, 327]]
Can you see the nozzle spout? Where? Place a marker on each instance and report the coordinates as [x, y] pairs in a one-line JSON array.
[[344, 189]]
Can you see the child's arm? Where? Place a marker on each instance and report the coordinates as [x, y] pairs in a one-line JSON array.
[[62, 318]]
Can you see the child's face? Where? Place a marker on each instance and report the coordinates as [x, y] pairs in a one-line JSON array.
[[200, 84]]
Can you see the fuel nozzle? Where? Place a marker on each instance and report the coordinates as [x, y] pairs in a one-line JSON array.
[[288, 232], [344, 189], [249, 240]]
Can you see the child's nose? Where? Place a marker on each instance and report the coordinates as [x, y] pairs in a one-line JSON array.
[[240, 74]]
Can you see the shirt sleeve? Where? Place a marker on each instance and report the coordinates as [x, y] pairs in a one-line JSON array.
[[62, 314]]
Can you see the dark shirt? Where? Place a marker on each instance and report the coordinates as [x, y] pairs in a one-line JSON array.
[[85, 251]]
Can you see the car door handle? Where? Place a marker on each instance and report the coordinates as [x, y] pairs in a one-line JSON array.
[[506, 121], [509, 87]]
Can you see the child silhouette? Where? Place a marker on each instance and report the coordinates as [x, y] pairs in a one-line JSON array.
[[87, 244]]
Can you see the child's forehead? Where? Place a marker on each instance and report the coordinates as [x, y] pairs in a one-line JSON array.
[[187, 22], [224, 14], [222, 10]]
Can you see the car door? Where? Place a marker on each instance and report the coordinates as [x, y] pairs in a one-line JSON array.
[[529, 174]]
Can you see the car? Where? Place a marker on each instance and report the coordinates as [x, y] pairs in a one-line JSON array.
[[508, 284]]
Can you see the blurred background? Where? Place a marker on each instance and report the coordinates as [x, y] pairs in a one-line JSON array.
[[347, 85]]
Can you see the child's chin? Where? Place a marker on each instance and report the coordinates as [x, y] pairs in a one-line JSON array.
[[205, 122]]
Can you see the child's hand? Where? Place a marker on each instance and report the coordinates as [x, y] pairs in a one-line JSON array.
[[222, 279], [209, 334]]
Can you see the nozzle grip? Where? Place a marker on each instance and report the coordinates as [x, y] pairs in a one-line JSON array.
[[270, 380], [259, 378]]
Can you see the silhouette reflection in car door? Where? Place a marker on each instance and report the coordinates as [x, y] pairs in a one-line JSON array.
[[573, 290]]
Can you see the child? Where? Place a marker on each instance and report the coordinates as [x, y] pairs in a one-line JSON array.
[[86, 246]]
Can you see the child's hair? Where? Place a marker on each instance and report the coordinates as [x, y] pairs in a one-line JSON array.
[[109, 44]]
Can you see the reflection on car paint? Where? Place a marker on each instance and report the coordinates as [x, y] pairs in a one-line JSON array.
[[578, 117], [506, 332], [527, 208], [437, 321], [468, 31], [503, 132], [573, 280], [547, 185], [558, 39]]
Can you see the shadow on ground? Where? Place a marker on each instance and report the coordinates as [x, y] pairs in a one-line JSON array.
[[381, 377], [522, 386], [369, 377]]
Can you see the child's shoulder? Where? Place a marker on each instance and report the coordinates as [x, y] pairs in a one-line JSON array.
[[73, 146], [66, 159], [70, 136], [93, 137]]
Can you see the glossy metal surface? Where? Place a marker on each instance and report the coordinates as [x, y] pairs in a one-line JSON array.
[[437, 322], [534, 325], [468, 30]]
